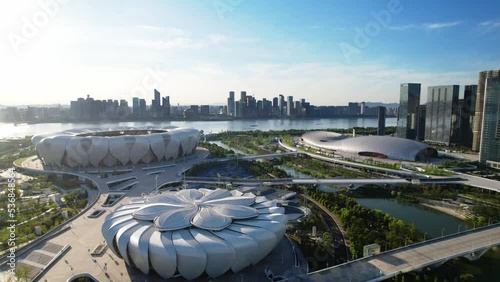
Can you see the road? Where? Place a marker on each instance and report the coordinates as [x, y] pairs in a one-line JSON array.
[[413, 257]]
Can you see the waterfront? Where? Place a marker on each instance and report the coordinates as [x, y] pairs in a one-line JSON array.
[[9, 130], [425, 219]]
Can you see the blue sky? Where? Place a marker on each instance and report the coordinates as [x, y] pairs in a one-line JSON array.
[[329, 52]]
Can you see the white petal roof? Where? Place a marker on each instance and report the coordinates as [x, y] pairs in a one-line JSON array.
[[195, 231], [119, 146]]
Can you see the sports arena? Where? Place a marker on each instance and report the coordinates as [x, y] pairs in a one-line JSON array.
[[114, 147]]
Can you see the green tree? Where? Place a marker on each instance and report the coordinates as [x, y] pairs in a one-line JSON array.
[[23, 273]]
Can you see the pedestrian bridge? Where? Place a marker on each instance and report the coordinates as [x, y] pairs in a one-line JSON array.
[[470, 244]]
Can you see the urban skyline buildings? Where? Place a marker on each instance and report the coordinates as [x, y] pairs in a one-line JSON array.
[[467, 111], [441, 120], [381, 121], [478, 115], [490, 134], [409, 100]]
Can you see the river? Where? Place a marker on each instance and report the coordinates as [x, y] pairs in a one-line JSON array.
[[432, 222], [8, 130]]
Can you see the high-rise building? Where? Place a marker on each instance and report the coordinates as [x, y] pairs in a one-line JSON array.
[[275, 103], [243, 96], [142, 107], [155, 105], [353, 108], [421, 115], [478, 114], [467, 109], [135, 105], [489, 152], [289, 106], [441, 121], [362, 108], [166, 106], [238, 109], [230, 104], [381, 121], [409, 100], [281, 104]]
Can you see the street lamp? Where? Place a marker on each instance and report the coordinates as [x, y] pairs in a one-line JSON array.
[[460, 225], [442, 232], [489, 220], [406, 240]]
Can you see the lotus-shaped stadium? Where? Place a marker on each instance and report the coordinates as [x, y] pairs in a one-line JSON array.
[[192, 231], [102, 147]]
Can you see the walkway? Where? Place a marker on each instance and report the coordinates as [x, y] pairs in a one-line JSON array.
[[470, 243]]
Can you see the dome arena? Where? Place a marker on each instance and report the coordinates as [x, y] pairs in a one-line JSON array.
[[112, 147], [193, 232], [384, 147]]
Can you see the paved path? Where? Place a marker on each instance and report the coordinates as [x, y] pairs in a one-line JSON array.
[[410, 258]]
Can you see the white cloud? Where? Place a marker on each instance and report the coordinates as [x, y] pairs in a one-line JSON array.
[[428, 26], [402, 27], [488, 26], [169, 30], [441, 25], [180, 42]]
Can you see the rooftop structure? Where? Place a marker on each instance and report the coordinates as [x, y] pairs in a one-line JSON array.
[[372, 146], [110, 147], [195, 231]]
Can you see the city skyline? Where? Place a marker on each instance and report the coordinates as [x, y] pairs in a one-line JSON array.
[[305, 50]]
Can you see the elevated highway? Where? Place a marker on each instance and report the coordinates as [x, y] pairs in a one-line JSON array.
[[474, 181], [351, 183], [470, 244]]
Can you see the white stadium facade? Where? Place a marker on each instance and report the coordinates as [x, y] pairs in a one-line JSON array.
[[193, 232], [102, 147], [384, 147]]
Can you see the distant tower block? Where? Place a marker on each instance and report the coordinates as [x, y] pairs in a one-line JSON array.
[[381, 121]]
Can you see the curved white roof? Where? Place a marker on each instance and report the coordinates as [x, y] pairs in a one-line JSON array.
[[114, 146], [194, 231], [382, 146]]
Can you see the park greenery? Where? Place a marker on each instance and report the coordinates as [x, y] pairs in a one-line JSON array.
[[365, 226], [33, 208], [11, 150]]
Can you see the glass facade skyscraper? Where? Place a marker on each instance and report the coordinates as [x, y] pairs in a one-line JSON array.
[[409, 100], [478, 114], [490, 135], [441, 122]]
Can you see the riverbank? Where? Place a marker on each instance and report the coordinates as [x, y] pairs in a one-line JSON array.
[[448, 211]]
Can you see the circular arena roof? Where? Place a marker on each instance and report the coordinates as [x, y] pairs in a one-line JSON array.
[[110, 147], [373, 146], [194, 231]]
